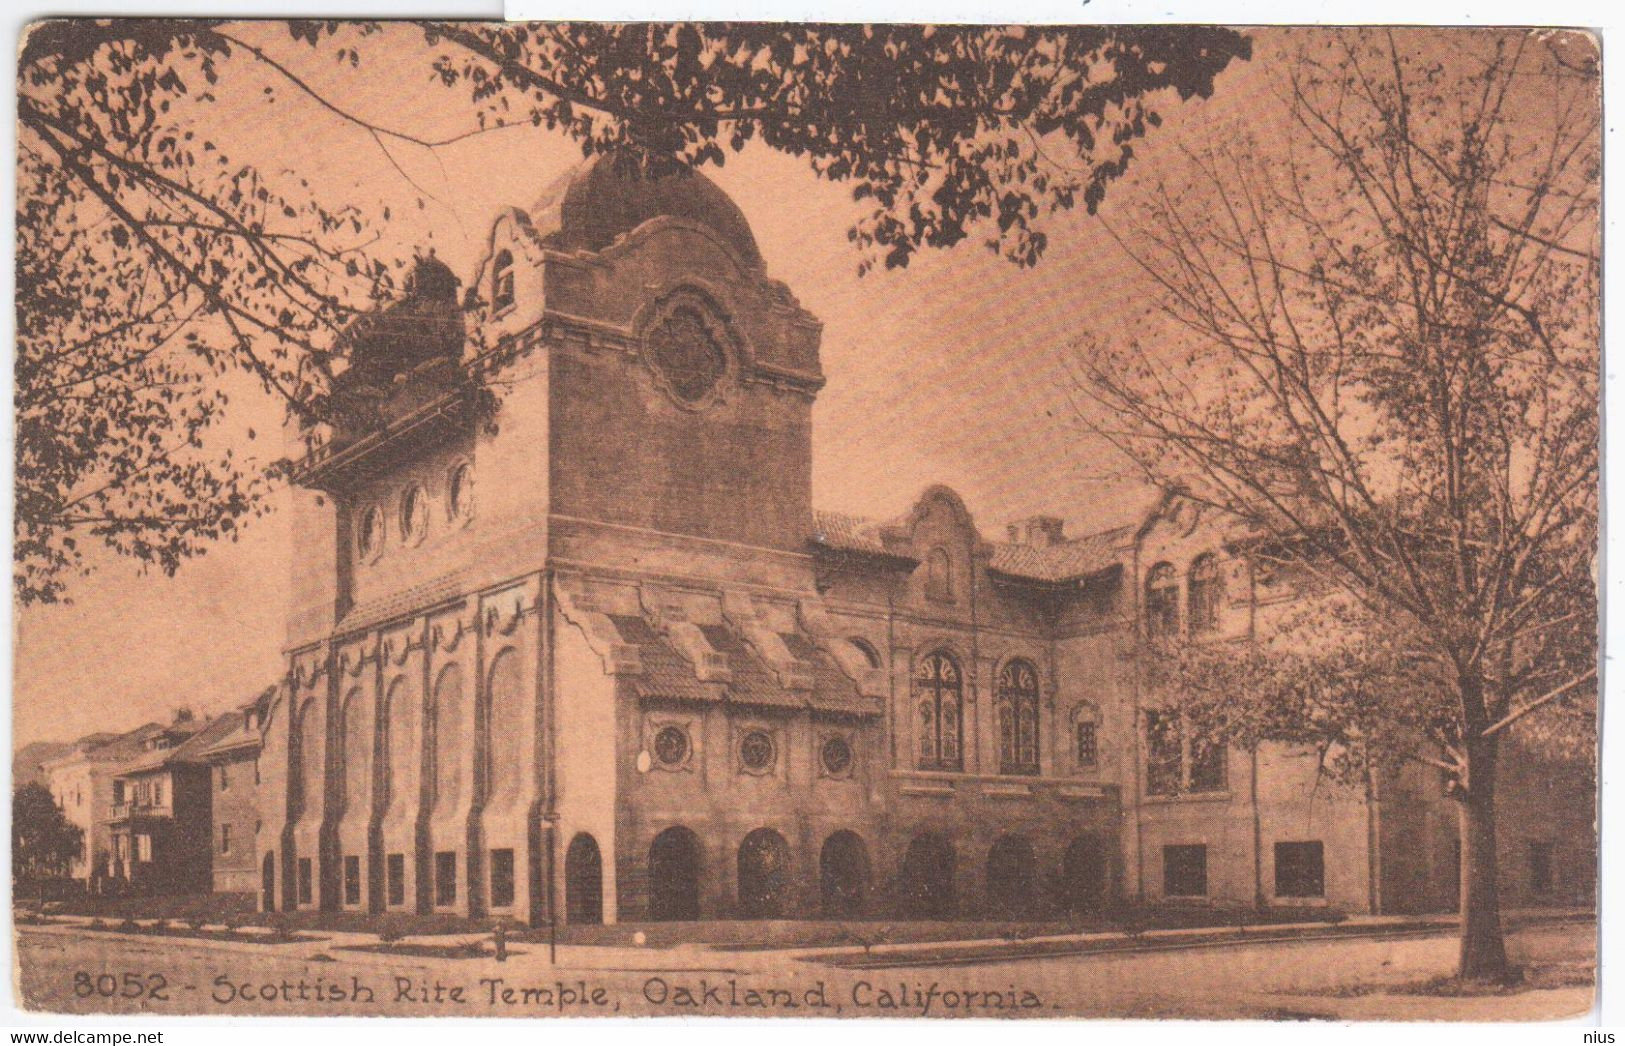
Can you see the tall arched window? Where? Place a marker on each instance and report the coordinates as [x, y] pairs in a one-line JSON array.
[[1161, 602], [397, 777], [311, 772], [1018, 718], [502, 281], [502, 729], [441, 733], [355, 750], [939, 698], [1205, 592], [939, 576]]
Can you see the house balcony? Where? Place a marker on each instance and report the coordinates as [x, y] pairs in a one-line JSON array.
[[132, 811]]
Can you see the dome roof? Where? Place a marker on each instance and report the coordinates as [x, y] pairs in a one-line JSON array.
[[601, 201]]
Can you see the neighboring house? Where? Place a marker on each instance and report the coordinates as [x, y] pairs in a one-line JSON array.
[[636, 675], [82, 782], [160, 815], [233, 761]]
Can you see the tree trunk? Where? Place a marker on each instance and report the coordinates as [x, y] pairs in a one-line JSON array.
[[1483, 948]]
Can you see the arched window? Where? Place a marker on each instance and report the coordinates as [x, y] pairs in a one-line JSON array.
[[1205, 592], [310, 772], [502, 281], [939, 576], [867, 649], [1161, 602], [939, 697], [355, 752], [441, 733], [503, 729], [397, 778], [1018, 718]]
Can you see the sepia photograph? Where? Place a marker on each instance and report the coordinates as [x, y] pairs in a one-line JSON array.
[[775, 519]]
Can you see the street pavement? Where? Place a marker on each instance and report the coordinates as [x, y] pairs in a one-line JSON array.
[[68, 969]]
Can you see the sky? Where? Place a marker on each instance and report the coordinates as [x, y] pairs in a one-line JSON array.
[[954, 370]]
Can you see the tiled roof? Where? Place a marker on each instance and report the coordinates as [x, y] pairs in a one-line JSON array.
[[849, 533], [1064, 561], [669, 675], [666, 673], [832, 690], [411, 599], [753, 683]]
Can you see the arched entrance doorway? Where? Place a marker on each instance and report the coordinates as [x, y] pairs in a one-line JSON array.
[[1011, 872], [674, 875], [583, 882], [1083, 875], [764, 875], [268, 882], [843, 874], [926, 883]]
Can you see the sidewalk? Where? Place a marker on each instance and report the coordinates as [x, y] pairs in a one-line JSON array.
[[701, 956]]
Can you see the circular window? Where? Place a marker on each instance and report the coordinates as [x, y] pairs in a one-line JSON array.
[[686, 355], [414, 514], [756, 751], [460, 492], [671, 746], [371, 538], [836, 755]]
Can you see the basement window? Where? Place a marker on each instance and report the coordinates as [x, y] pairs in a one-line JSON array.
[[445, 878], [1184, 870], [1300, 869]]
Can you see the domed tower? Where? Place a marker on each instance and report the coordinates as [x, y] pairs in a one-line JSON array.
[[681, 378], [621, 390]]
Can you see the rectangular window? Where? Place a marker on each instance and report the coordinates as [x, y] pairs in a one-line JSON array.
[[225, 839], [1300, 870], [1165, 763], [445, 878], [501, 878], [225, 777], [304, 880], [118, 793], [1088, 745], [256, 769], [395, 866], [352, 879], [121, 847], [158, 793], [143, 848], [1540, 866], [1184, 871], [1209, 768]]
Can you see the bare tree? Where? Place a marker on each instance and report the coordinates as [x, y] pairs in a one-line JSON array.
[[1385, 335]]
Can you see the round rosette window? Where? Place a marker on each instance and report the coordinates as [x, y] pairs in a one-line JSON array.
[[685, 349], [756, 751], [836, 756], [671, 746]]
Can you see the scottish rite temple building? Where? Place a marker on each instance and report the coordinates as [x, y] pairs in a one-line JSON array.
[[570, 642]]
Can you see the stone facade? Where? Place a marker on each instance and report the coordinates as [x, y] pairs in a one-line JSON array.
[[569, 641]]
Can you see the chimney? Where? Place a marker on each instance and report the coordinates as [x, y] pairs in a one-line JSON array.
[[1038, 531]]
